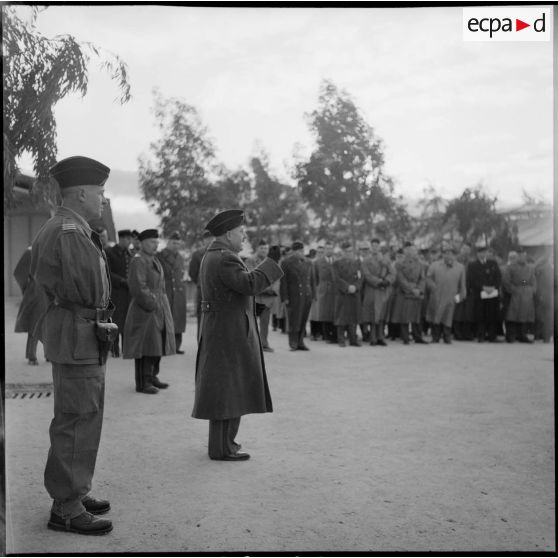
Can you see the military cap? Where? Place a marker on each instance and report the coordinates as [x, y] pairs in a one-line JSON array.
[[297, 245], [346, 244], [175, 236], [79, 171], [148, 233], [125, 232], [225, 221], [375, 241]]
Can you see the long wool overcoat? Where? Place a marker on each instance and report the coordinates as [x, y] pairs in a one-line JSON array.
[[149, 313], [519, 281], [119, 263], [375, 297], [463, 311], [297, 286], [347, 309], [325, 289], [445, 282], [174, 268], [409, 275], [481, 274], [231, 379]]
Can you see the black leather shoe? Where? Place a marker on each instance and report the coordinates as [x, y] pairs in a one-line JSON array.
[[149, 389], [293, 348], [356, 344], [239, 456], [158, 384], [381, 343], [268, 350], [303, 347], [421, 341], [179, 352], [83, 524], [98, 507]]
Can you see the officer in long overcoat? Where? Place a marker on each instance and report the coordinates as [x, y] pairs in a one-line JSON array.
[[174, 268], [484, 279], [520, 282], [69, 264], [231, 379], [32, 307], [348, 283], [378, 276], [325, 292], [119, 257], [446, 280], [408, 295], [463, 312], [149, 327], [297, 292]]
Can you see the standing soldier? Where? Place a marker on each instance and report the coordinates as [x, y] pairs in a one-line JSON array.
[[32, 307], [378, 276], [119, 257], [174, 268], [194, 271], [544, 298], [149, 328], [348, 282], [446, 281], [325, 292], [409, 292], [297, 292], [484, 279], [69, 264], [230, 369], [519, 281], [264, 300]]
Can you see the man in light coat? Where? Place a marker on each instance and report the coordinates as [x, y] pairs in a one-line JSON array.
[[230, 371]]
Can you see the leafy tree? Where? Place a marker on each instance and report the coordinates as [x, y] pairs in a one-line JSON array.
[[343, 180], [176, 180], [37, 73]]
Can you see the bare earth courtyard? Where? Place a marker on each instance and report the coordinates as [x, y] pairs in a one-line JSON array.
[[406, 448]]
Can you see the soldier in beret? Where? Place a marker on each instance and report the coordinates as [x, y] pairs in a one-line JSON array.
[[149, 327], [297, 292], [119, 262], [69, 264], [174, 268], [230, 371]]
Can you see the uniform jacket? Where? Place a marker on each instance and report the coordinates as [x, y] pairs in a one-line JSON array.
[[119, 263], [231, 379], [149, 312], [297, 286], [174, 268], [269, 294], [484, 274], [69, 264], [444, 283], [347, 308], [519, 281], [409, 275], [376, 295], [325, 289]]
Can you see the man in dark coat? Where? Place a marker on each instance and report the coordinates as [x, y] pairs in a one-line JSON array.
[[348, 283], [174, 268], [463, 313], [32, 307], [69, 264], [484, 280], [119, 257], [194, 271], [325, 292], [230, 370], [297, 292], [149, 327]]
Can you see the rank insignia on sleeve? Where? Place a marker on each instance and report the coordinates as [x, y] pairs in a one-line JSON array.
[[69, 227]]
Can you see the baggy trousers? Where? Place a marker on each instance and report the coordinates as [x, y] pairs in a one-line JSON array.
[[75, 433], [221, 437]]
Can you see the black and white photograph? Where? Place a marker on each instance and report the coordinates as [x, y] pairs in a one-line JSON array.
[[278, 278]]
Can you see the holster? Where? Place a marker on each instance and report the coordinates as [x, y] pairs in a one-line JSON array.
[[107, 333]]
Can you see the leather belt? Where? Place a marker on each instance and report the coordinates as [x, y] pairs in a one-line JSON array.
[[99, 314]]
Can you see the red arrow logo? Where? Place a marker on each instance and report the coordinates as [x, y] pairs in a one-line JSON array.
[[519, 25]]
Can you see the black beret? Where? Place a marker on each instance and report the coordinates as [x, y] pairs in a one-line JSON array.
[[346, 244], [297, 245], [125, 232], [175, 236], [225, 221], [79, 171], [148, 233]]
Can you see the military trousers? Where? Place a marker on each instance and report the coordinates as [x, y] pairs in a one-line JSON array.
[[221, 437], [75, 433]]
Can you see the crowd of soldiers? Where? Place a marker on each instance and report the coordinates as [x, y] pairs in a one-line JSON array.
[[379, 293]]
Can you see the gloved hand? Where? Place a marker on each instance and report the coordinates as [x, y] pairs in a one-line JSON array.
[[274, 253]]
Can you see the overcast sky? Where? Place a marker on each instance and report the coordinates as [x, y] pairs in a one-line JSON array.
[[450, 113]]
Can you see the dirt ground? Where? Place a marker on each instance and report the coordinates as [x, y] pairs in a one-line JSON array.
[[401, 449]]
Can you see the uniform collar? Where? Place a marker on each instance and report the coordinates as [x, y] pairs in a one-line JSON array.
[[218, 245]]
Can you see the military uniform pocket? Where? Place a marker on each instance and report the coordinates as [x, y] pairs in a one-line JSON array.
[[81, 395], [85, 340]]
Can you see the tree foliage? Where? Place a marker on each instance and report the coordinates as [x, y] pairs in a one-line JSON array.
[[37, 73], [343, 180]]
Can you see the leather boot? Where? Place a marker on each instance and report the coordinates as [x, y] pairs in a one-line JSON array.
[[148, 386], [341, 336], [447, 334]]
